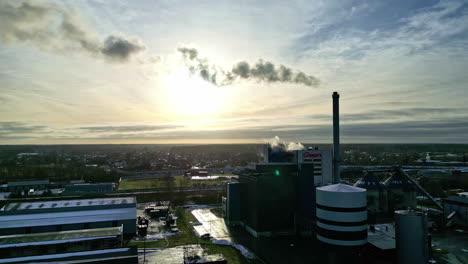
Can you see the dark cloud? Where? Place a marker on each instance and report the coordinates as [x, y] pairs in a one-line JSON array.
[[267, 72], [132, 128], [201, 66], [119, 48], [16, 127], [189, 53], [262, 71], [408, 112], [396, 132], [431, 131], [53, 27]]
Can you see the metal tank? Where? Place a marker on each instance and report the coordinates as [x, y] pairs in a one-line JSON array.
[[341, 215], [411, 237]]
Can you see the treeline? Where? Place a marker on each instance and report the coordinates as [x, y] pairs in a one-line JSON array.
[[58, 173]]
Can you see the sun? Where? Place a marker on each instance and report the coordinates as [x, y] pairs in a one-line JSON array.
[[189, 96]]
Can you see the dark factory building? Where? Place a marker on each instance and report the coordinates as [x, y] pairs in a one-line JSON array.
[[278, 197]]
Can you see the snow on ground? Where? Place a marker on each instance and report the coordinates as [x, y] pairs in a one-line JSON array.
[[218, 230]]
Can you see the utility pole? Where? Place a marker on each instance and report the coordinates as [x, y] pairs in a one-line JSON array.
[[144, 249]]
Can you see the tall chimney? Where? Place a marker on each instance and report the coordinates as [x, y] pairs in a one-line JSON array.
[[336, 138]]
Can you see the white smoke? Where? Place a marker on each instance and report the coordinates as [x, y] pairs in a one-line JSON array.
[[277, 144], [295, 146]]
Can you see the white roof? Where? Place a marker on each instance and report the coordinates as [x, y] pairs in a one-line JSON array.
[[67, 203], [61, 218], [340, 188]]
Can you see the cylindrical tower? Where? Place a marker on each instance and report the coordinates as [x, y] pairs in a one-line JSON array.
[[341, 215], [411, 237]]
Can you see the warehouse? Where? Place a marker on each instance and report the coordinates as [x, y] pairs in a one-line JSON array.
[[89, 188], [55, 246], [456, 210], [56, 216], [25, 186]]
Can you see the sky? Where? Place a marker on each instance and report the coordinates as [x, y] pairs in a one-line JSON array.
[[87, 72]]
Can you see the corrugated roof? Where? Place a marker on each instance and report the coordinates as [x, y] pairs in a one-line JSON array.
[[369, 181], [63, 218], [5, 241], [67, 203]]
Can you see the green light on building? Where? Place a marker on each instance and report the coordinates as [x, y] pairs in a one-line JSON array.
[[277, 172]]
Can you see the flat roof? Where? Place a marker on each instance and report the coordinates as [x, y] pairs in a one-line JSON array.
[[460, 200], [80, 256], [43, 238], [21, 183], [67, 203], [382, 241]]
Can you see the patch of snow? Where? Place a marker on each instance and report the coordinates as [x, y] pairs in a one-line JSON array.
[[243, 250]]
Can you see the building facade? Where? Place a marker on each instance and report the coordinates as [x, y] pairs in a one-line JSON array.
[[66, 215]]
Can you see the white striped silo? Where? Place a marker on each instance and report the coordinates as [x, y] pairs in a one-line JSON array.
[[341, 215]]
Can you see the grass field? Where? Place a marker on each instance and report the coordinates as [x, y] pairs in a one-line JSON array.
[[159, 182], [187, 236]]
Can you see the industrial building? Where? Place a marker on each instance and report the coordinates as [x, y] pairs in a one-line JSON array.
[[456, 210], [25, 186], [82, 188], [90, 245], [376, 193], [292, 177], [401, 192], [278, 196], [65, 215]]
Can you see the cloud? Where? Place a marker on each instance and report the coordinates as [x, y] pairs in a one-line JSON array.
[[267, 72], [17, 127], [262, 71], [129, 128], [55, 28], [429, 131]]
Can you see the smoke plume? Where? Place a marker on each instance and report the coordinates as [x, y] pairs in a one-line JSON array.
[[262, 71], [276, 144], [200, 66], [53, 27], [267, 72]]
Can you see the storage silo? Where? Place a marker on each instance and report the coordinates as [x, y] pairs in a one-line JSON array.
[[376, 195], [411, 237], [341, 215], [401, 193]]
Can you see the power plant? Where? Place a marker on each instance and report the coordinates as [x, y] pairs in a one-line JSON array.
[[300, 193]]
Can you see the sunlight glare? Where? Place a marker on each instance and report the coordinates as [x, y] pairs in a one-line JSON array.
[[188, 95]]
